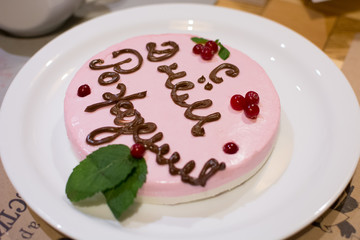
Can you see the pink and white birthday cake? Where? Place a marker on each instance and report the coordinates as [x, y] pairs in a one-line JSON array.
[[207, 124]]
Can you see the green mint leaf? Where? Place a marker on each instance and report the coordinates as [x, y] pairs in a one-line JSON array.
[[223, 52], [199, 40], [122, 195], [101, 170]]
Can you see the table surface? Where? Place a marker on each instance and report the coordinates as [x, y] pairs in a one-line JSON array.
[[333, 26]]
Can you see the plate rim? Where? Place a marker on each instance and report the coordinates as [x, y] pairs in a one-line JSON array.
[[106, 16]]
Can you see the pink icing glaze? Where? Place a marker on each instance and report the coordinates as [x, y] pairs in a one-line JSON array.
[[255, 138]]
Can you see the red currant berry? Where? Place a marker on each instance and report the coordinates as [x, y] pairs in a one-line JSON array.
[[252, 111], [207, 53], [213, 45], [237, 102], [197, 49], [230, 148], [252, 97], [137, 150], [83, 90]]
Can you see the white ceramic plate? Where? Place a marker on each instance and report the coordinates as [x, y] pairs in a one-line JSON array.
[[314, 159]]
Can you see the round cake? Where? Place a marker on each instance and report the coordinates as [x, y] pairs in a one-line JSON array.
[[183, 106]]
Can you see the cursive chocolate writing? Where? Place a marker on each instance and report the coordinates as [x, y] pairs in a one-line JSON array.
[[155, 55], [97, 64], [209, 169], [128, 121], [124, 109], [111, 99], [197, 129], [232, 71], [113, 75]]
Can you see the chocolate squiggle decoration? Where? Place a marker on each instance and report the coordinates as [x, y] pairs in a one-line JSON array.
[[164, 54], [97, 64], [197, 129], [232, 72]]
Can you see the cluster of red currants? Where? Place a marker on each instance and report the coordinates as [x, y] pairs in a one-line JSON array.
[[249, 104], [207, 50]]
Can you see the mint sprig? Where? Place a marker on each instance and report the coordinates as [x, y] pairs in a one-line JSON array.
[[110, 170], [223, 53], [122, 196], [199, 40]]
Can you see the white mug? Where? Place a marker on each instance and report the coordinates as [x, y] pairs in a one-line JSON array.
[[29, 18]]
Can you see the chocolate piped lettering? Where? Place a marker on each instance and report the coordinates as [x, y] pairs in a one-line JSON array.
[[113, 75], [138, 127], [180, 99], [232, 71], [91, 137], [155, 55], [97, 64], [171, 75], [197, 129], [129, 121], [111, 99], [209, 169]]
